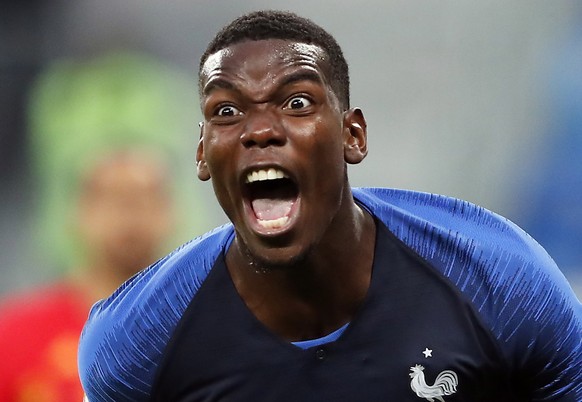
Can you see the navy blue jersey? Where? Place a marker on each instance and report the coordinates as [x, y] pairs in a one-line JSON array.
[[462, 306]]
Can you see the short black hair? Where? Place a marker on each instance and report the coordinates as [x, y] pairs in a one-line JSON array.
[[271, 24]]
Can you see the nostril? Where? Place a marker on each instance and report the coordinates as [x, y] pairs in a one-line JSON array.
[[262, 138], [247, 142]]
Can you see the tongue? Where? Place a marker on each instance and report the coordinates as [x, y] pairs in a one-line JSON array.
[[267, 209]]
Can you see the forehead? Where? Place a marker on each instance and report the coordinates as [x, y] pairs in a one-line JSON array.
[[264, 59], [126, 170]]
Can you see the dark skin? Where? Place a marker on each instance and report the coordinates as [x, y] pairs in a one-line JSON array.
[[303, 268]]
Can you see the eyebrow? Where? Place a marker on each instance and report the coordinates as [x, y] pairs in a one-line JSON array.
[[218, 83], [305, 75]]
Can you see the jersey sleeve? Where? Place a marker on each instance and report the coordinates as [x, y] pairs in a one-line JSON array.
[[540, 330], [126, 334], [514, 286]]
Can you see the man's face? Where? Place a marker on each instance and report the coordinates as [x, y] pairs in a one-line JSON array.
[[273, 143], [126, 211]]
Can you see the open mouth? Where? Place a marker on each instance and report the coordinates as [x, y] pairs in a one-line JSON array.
[[272, 195]]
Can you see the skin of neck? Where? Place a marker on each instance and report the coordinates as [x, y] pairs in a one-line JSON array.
[[320, 292]]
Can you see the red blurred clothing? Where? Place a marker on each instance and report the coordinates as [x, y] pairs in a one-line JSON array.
[[39, 332]]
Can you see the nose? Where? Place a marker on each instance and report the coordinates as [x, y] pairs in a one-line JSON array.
[[263, 129]]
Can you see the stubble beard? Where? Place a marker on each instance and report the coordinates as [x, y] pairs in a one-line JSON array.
[[263, 266]]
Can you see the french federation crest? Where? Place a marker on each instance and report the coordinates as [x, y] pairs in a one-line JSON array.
[[445, 384]]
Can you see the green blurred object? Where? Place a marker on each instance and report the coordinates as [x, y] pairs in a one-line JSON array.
[[80, 110]]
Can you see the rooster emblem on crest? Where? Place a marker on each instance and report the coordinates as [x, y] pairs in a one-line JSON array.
[[445, 384]]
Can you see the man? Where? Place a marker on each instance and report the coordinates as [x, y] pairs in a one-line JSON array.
[[103, 135], [318, 292], [124, 216]]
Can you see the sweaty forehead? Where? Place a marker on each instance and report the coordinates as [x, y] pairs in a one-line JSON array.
[[263, 56]]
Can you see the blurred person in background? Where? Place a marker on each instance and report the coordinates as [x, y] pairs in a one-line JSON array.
[[105, 142]]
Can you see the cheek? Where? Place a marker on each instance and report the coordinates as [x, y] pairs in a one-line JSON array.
[[220, 156], [218, 152], [321, 141], [328, 158]]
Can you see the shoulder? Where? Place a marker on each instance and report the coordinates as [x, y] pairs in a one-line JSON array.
[[441, 229], [403, 209], [135, 323], [479, 251], [509, 280], [181, 271]]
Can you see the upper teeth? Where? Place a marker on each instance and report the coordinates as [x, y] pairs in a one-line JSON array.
[[265, 174]]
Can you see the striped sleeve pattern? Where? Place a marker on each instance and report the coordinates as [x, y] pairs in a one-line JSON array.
[[510, 280], [126, 334]]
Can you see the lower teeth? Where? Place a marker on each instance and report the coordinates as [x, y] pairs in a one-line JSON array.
[[274, 223]]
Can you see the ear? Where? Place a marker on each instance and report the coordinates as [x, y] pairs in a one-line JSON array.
[[355, 136], [201, 167]]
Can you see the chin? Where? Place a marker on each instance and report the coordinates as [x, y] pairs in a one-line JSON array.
[[273, 259]]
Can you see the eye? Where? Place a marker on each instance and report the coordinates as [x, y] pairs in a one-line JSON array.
[[227, 111], [297, 102]]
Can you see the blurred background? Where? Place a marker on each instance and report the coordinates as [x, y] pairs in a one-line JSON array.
[[477, 100]]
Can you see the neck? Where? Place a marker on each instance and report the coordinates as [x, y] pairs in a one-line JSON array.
[[319, 293]]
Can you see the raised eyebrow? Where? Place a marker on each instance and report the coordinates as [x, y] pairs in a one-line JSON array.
[[218, 83], [305, 75], [287, 80]]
